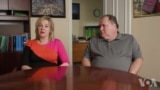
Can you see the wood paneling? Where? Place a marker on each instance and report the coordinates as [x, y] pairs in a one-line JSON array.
[[3, 4], [15, 21], [9, 61], [78, 50], [19, 4]]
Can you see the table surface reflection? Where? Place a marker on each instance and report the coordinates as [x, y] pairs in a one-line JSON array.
[[73, 78]]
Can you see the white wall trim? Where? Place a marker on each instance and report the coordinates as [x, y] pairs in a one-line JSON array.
[[129, 16], [126, 11], [70, 31], [104, 7], [114, 7]]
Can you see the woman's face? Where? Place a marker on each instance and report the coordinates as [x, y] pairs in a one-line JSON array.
[[44, 29]]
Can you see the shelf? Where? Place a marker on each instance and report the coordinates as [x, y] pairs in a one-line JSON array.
[[14, 18]]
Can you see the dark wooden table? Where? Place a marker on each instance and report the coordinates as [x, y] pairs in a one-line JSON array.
[[72, 78]]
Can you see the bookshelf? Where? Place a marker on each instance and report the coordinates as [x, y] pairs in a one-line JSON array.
[[10, 8], [14, 21]]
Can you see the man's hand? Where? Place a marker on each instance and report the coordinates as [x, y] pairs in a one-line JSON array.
[[86, 62]]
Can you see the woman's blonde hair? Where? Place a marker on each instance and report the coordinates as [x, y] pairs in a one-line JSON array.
[[51, 34]]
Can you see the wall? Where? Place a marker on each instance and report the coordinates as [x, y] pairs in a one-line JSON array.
[[147, 30], [86, 15], [62, 29]]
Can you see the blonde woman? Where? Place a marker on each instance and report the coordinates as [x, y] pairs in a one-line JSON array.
[[44, 50]]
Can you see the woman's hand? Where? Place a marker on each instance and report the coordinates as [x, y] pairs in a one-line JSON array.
[[64, 64], [26, 67]]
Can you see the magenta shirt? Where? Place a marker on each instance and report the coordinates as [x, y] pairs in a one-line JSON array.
[[57, 46]]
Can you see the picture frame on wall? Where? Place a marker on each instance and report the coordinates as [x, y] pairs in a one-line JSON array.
[[145, 8], [75, 11], [53, 8]]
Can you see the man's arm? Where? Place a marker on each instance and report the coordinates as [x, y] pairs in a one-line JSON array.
[[86, 62], [136, 66]]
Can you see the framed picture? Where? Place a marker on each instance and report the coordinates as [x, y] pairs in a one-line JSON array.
[[53, 8], [75, 11], [144, 8]]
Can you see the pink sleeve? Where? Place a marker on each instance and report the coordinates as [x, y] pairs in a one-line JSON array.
[[62, 52]]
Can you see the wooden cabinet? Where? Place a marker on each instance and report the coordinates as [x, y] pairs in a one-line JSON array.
[[3, 4], [78, 51], [14, 5], [9, 62], [19, 5], [15, 10], [14, 20]]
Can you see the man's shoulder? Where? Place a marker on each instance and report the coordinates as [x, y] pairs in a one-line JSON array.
[[129, 36], [126, 35], [96, 38]]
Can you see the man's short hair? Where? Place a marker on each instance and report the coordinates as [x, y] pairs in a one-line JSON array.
[[111, 18]]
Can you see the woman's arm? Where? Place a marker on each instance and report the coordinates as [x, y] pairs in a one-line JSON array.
[[25, 59], [64, 64], [62, 54], [25, 67]]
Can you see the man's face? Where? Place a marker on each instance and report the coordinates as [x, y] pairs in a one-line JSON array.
[[107, 29]]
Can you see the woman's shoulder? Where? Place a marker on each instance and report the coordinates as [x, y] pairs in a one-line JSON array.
[[30, 42], [56, 40]]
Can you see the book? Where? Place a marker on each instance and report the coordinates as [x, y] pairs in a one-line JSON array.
[[4, 44]]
